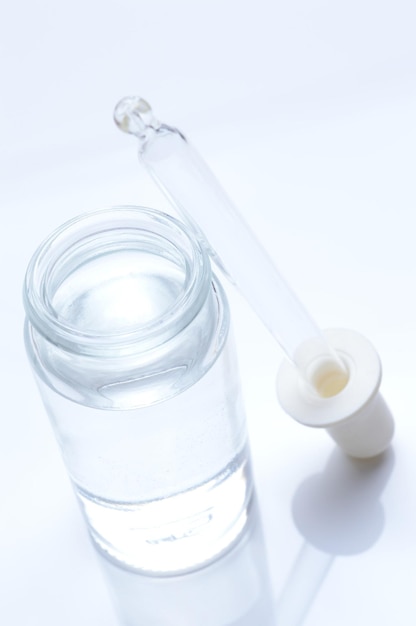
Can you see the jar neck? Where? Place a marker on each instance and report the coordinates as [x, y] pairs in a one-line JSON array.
[[116, 282]]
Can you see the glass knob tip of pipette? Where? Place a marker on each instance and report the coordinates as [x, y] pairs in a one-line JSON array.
[[134, 115]]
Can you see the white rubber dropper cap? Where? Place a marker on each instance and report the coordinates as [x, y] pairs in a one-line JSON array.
[[356, 417]]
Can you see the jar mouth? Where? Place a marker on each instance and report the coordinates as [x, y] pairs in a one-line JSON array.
[[115, 278]]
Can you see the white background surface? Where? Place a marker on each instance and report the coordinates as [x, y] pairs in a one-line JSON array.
[[306, 113]]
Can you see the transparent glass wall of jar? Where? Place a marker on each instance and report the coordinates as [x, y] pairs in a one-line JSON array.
[[128, 335]]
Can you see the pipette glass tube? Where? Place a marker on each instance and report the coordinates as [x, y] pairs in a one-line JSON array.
[[202, 203]]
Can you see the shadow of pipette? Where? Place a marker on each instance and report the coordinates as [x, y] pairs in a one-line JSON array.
[[338, 512]]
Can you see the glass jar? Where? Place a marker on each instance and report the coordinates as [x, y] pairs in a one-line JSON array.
[[128, 335]]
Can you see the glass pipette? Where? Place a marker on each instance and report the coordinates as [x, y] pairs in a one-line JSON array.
[[202, 203]]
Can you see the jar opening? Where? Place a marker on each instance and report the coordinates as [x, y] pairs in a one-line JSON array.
[[114, 278]]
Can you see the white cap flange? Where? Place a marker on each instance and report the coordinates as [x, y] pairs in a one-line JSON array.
[[356, 417]]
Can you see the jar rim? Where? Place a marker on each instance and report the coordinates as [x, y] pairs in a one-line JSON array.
[[113, 220]]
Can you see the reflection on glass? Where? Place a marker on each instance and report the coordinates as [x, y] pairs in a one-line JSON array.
[[234, 590], [338, 512]]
